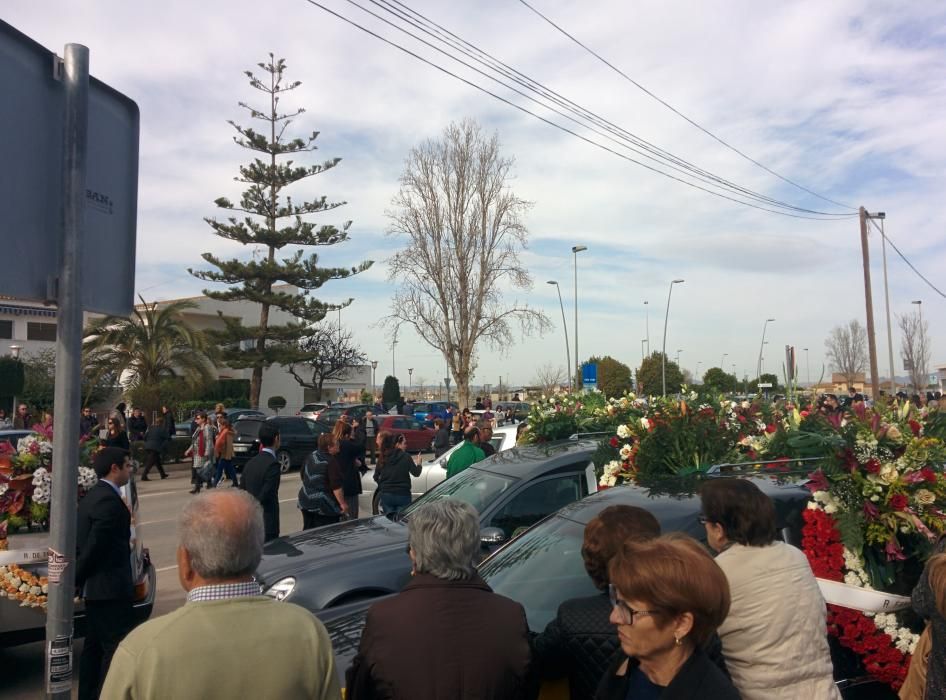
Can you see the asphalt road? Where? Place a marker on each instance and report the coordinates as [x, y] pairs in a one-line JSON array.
[[160, 503]]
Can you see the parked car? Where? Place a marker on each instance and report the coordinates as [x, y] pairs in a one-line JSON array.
[[427, 411], [312, 410], [331, 414], [360, 559], [13, 436], [543, 567], [516, 411], [434, 470], [22, 625], [479, 415], [187, 428], [419, 437], [298, 437]]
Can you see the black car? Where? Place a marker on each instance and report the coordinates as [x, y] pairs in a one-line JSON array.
[[331, 414], [543, 567], [360, 559], [298, 437], [516, 411]]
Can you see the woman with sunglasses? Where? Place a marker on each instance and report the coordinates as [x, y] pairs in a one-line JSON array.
[[668, 598], [393, 473], [116, 435]]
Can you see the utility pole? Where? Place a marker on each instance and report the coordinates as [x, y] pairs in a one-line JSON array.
[[869, 302], [883, 246]]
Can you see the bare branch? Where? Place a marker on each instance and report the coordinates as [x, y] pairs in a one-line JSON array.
[[915, 348], [846, 348]]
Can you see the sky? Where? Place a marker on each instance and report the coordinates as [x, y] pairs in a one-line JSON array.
[[844, 98]]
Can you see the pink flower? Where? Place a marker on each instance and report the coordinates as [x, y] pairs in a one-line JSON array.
[[893, 551], [817, 482], [870, 510]]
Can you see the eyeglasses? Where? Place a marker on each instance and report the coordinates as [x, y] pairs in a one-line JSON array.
[[703, 519], [625, 612]]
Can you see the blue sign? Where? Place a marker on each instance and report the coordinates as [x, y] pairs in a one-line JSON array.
[[589, 375]]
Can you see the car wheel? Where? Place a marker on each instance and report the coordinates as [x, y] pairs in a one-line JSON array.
[[285, 461], [375, 503]]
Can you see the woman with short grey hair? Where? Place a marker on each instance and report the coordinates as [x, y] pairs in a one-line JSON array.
[[463, 639]]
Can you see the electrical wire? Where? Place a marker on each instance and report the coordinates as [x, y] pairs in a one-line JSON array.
[[491, 62], [831, 217], [904, 258], [683, 116]]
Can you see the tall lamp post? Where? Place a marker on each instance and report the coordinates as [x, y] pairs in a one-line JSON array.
[[807, 368], [15, 354], [647, 322], [697, 370], [374, 383], [643, 356], [576, 249], [722, 362], [410, 379], [919, 309], [568, 357], [663, 350], [762, 344]]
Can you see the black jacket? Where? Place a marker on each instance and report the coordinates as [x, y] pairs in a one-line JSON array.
[[441, 441], [119, 440], [579, 643], [156, 438], [261, 478], [320, 477], [88, 425], [103, 549], [137, 426], [698, 679], [169, 427], [395, 476], [348, 452]]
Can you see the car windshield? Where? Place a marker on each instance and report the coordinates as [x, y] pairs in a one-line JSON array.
[[247, 428], [541, 569], [479, 489]]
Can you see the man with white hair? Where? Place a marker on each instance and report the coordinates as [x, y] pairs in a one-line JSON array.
[[273, 649]]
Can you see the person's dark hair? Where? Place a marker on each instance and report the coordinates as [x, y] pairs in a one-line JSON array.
[[342, 429], [388, 444], [158, 421], [438, 423], [607, 532], [672, 575], [268, 434], [470, 433], [326, 440], [120, 407], [104, 459], [746, 514]]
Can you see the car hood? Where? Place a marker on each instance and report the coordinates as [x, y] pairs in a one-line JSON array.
[[329, 547]]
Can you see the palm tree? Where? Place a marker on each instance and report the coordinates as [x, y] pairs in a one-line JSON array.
[[144, 351]]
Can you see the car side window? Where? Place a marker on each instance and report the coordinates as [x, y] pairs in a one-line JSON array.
[[289, 427], [536, 501], [400, 424], [312, 427], [415, 424]]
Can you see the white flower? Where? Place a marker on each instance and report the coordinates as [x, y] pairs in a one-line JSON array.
[[3, 487], [645, 424], [625, 451], [41, 477], [830, 508], [87, 477], [623, 432]]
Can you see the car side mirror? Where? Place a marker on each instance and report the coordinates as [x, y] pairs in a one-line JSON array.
[[492, 536], [442, 463]]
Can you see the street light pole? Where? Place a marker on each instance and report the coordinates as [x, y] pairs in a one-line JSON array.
[[576, 249], [663, 350], [643, 356], [922, 338], [374, 381], [647, 321], [807, 368], [410, 379], [722, 362], [15, 354], [568, 358], [762, 344]]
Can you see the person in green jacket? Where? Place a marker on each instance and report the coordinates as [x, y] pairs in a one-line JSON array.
[[466, 454]]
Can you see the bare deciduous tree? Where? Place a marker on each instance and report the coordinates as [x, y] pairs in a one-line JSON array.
[[550, 378], [846, 348], [330, 353], [464, 231], [915, 347]]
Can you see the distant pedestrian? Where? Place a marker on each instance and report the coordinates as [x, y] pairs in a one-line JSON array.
[[169, 422], [360, 437], [350, 463], [274, 650], [5, 422], [116, 436], [88, 423], [223, 452], [137, 425], [261, 478], [441, 437], [393, 475], [456, 427], [103, 568], [201, 452], [478, 406], [486, 434], [464, 641], [23, 420], [371, 433], [119, 412], [321, 496], [466, 454], [155, 439]]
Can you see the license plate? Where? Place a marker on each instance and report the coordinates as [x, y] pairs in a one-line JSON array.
[[241, 448]]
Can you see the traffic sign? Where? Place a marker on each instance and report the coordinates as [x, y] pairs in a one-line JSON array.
[[765, 385], [589, 375]]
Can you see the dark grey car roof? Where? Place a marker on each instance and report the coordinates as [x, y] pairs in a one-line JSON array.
[[527, 461]]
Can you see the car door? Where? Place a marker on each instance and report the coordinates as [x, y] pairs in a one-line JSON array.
[[535, 500], [418, 436], [309, 440]]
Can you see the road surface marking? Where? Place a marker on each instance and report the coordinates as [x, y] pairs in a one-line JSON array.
[[166, 568]]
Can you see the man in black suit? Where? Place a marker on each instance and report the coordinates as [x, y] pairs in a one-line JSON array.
[[103, 568], [261, 478]]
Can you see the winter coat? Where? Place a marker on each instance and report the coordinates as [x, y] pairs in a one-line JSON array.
[[924, 603], [348, 452], [462, 457], [120, 439], [698, 679], [774, 638], [137, 427], [320, 477], [440, 639], [441, 441], [156, 438], [394, 477]]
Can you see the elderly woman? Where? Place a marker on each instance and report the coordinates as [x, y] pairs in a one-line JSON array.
[[201, 453], [762, 632], [929, 600], [321, 498], [668, 598], [580, 642], [446, 635]]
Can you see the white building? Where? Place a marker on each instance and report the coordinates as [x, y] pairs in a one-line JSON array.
[[28, 326], [277, 381]]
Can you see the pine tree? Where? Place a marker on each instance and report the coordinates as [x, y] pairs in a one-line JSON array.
[[273, 223]]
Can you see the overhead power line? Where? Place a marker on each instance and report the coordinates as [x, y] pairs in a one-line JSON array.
[[681, 115], [829, 217], [904, 258], [639, 145]]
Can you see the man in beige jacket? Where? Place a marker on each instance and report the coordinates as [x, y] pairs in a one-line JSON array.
[[227, 641]]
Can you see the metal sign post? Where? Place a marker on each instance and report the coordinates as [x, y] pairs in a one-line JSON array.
[[62, 535]]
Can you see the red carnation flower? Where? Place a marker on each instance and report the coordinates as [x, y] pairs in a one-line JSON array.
[[872, 466], [898, 501], [613, 442], [770, 428], [928, 474], [915, 427]]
